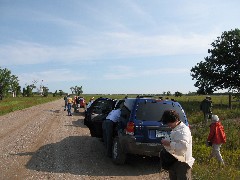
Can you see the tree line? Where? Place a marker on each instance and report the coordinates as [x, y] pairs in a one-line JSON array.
[[9, 83]]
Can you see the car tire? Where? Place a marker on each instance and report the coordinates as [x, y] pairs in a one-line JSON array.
[[92, 133], [85, 122], [118, 155]]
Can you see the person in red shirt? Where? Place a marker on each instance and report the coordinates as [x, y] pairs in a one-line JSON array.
[[216, 138]]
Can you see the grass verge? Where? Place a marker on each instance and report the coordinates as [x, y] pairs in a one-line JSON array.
[[8, 105]]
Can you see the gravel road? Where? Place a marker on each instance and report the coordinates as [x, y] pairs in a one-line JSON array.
[[42, 142]]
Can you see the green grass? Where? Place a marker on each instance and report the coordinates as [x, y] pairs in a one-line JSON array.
[[202, 168], [230, 151], [230, 118], [10, 104]]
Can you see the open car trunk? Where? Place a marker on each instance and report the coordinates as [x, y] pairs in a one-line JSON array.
[[96, 113]]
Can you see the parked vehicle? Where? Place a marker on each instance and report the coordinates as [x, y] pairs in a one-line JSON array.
[[139, 130], [96, 113]]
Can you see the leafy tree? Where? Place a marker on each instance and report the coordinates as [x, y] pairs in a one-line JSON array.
[[14, 85], [18, 92], [8, 82], [30, 89], [72, 89], [61, 92], [55, 94], [76, 90], [221, 69], [24, 93], [168, 93], [178, 94], [5, 75], [1, 91], [45, 91]]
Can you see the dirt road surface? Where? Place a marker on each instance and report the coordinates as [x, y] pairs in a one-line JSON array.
[[42, 142]]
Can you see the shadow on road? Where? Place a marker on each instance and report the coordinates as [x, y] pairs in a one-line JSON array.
[[79, 123], [84, 155]]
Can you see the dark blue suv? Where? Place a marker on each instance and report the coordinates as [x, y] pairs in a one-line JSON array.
[[140, 129]]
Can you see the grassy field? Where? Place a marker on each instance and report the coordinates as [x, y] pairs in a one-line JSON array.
[[12, 104], [191, 105], [202, 169], [230, 118]]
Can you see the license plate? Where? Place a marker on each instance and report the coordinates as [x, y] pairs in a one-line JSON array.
[[159, 134]]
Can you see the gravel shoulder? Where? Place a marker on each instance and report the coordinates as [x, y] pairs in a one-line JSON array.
[[42, 142]]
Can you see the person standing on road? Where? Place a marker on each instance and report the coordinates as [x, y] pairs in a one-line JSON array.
[[206, 108], [90, 102], [216, 138], [69, 105], [108, 126], [179, 146], [65, 102], [75, 104]]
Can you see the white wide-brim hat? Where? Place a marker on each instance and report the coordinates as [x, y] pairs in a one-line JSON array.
[[215, 118]]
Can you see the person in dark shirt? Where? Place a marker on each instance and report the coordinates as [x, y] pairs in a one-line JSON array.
[[206, 108]]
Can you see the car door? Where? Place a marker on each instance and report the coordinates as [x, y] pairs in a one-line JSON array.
[[97, 112]]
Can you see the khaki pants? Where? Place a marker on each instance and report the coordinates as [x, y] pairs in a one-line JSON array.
[[216, 153]]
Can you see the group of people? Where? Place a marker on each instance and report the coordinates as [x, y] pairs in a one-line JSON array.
[[217, 134], [76, 102], [180, 144]]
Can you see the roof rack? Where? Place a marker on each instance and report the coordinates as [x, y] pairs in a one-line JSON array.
[[147, 96]]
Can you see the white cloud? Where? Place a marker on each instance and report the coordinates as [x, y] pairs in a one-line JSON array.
[[55, 75], [126, 72], [119, 72], [113, 44], [33, 53], [134, 44]]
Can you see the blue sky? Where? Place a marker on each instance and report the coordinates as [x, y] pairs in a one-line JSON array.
[[111, 46]]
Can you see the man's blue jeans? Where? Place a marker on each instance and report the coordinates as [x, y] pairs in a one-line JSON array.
[[69, 107]]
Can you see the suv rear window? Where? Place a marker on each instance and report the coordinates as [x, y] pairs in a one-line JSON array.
[[102, 105], [153, 111]]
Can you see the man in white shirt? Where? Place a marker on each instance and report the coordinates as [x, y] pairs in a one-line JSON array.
[[108, 126], [180, 146]]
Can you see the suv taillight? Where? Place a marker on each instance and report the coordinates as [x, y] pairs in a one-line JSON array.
[[130, 128]]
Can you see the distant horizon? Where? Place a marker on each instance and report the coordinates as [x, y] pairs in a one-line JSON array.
[[161, 94]]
